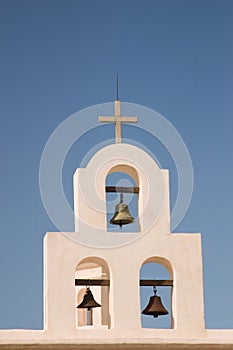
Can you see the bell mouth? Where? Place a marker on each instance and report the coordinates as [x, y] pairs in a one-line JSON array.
[[121, 222], [155, 314]]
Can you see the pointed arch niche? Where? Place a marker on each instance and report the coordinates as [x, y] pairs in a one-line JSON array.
[[156, 268], [93, 268], [122, 176]]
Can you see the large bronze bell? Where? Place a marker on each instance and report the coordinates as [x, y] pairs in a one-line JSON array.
[[122, 215], [88, 301], [155, 307]]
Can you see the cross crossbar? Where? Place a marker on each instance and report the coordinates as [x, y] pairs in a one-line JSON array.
[[118, 120]]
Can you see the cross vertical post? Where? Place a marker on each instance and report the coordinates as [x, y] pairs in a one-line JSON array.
[[118, 120]]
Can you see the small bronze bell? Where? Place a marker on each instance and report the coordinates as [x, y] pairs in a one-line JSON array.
[[155, 307], [122, 215], [88, 301]]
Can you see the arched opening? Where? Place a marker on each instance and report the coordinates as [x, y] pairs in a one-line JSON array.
[[157, 269], [122, 178], [90, 269]]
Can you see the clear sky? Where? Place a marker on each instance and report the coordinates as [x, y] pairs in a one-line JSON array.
[[58, 57]]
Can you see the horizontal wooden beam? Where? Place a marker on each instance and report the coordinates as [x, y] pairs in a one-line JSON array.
[[106, 282], [91, 282], [121, 189], [154, 283]]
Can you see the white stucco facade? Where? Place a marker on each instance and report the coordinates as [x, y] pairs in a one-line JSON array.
[[93, 252]]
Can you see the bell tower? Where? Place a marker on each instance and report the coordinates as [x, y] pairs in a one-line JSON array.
[[92, 276]]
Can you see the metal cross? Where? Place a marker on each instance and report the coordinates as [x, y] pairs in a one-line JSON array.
[[118, 119]]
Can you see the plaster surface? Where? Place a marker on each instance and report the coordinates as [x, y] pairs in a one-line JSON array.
[[91, 251]]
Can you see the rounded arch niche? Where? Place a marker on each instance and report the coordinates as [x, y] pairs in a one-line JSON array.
[[156, 268], [93, 268], [118, 177]]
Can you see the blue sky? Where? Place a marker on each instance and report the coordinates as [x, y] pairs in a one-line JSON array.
[[58, 57]]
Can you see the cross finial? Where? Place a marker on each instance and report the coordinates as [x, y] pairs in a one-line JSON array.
[[118, 119]]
